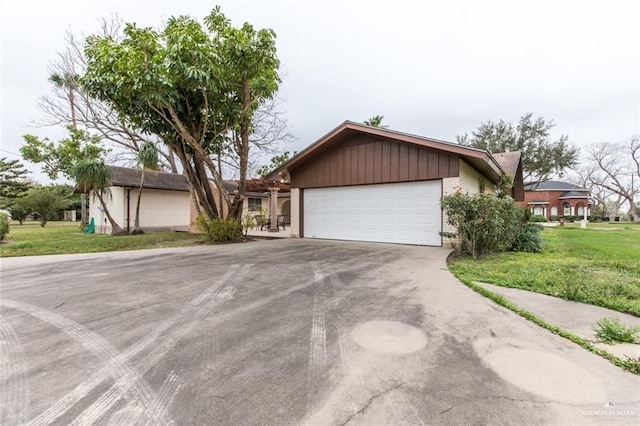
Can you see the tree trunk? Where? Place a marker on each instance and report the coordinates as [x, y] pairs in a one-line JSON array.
[[236, 208], [220, 198], [136, 224], [198, 181], [115, 228]]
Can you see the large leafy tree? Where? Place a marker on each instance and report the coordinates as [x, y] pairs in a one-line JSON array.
[[95, 175], [58, 158], [148, 160], [44, 200], [196, 86], [542, 157]]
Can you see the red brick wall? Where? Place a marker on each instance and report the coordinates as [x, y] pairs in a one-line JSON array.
[[553, 198]]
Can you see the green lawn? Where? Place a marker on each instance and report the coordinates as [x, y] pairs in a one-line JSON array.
[[599, 265], [65, 237]]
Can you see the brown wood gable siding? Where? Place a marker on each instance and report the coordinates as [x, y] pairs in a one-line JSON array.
[[362, 161]]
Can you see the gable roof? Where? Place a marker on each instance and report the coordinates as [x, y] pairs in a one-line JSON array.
[[128, 177], [480, 159], [554, 185], [509, 161]]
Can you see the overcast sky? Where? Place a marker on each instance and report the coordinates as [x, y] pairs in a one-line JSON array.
[[433, 68]]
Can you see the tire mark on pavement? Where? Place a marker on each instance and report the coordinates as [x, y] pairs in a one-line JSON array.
[[399, 402], [83, 389], [345, 340], [13, 394], [317, 346], [132, 415], [108, 399], [91, 341], [318, 338], [167, 393]]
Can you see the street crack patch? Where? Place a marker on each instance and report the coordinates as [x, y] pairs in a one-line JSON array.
[[370, 401]]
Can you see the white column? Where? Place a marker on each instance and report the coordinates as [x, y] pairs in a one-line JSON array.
[[273, 209]]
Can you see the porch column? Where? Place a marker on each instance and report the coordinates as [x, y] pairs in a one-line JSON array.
[[273, 209]]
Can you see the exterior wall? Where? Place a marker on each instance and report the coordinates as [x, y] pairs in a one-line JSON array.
[[295, 213], [245, 205], [469, 183], [159, 209], [114, 203], [470, 180], [449, 186], [363, 160]]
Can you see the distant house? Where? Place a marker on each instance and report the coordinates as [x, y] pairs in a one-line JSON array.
[[556, 198], [165, 203]]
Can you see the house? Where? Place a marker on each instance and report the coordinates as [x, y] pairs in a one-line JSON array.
[[165, 204], [257, 198], [555, 198], [258, 195], [367, 183]]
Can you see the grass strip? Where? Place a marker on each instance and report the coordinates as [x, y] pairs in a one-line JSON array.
[[628, 364]]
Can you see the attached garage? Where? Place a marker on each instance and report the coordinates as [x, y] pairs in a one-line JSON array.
[[365, 183], [407, 213]]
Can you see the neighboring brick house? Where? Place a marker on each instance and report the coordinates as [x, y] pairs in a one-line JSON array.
[[165, 203], [556, 198]]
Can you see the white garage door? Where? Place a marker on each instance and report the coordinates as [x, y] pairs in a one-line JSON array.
[[407, 213]]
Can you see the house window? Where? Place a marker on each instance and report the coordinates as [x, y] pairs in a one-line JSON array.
[[554, 211], [567, 210], [254, 204], [538, 211]]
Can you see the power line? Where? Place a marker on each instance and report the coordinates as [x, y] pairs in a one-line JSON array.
[[9, 152]]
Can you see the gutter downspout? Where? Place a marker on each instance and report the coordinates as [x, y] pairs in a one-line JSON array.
[[128, 209]]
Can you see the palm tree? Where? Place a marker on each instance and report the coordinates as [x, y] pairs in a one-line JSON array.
[[95, 175], [375, 121], [148, 159], [69, 83]]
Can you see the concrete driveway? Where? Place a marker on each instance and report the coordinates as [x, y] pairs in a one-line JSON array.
[[283, 332]]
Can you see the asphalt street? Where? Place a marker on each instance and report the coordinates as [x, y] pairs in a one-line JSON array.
[[283, 332]]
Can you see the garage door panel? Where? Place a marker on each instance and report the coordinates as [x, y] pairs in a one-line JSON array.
[[398, 212]]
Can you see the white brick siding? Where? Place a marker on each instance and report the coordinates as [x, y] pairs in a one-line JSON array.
[[470, 180], [158, 209], [295, 212]]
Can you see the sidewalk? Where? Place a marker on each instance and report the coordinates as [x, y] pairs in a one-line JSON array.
[[578, 318]]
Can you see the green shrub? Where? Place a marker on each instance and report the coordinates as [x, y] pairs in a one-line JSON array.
[[19, 211], [537, 218], [220, 229], [610, 330], [555, 218], [486, 223], [528, 238], [572, 283], [4, 226], [248, 221]]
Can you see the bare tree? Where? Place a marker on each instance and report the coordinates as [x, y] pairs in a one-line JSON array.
[[68, 104], [615, 167]]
